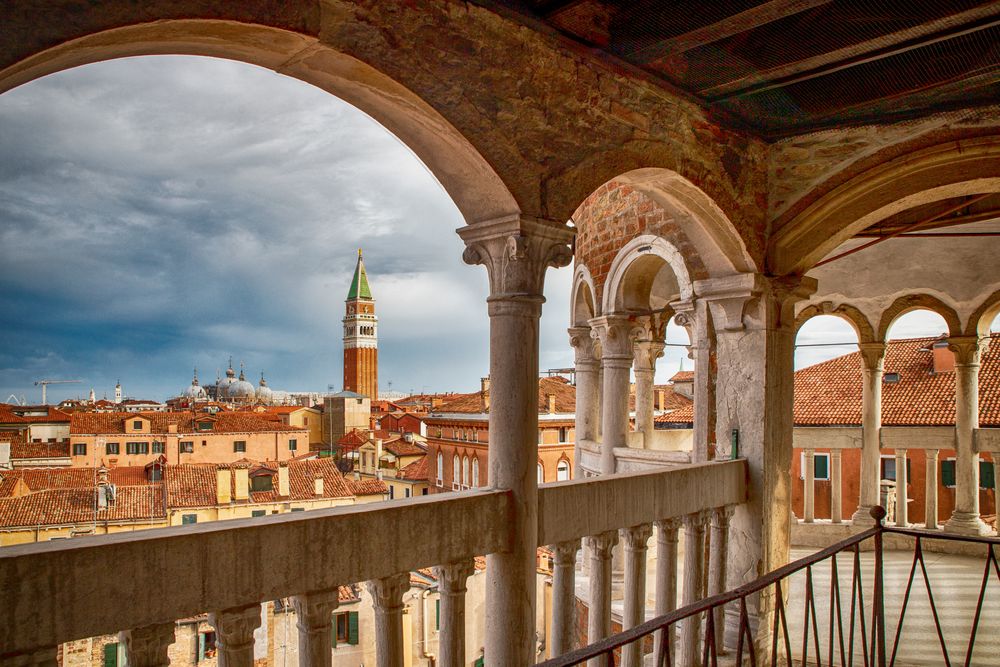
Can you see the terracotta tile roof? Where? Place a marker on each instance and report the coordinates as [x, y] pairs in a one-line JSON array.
[[564, 392], [223, 422], [352, 440], [400, 447], [829, 393], [21, 448], [416, 471], [683, 376], [367, 486], [16, 414], [76, 505], [674, 401]]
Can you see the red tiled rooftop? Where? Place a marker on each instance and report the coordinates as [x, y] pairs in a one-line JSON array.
[[416, 471], [565, 395], [223, 422]]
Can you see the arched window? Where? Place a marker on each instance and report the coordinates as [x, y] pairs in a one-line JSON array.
[[541, 473], [562, 470], [456, 473], [440, 469], [475, 471], [465, 471]]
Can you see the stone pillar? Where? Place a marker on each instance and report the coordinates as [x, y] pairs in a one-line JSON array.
[[809, 486], [314, 620], [931, 489], [902, 479], [872, 365], [647, 350], [634, 612], [563, 597], [387, 599], [587, 391], [451, 585], [516, 252], [147, 646], [599, 612], [836, 487], [234, 634], [718, 554], [965, 518], [666, 575], [694, 572], [617, 334], [697, 320], [43, 657]]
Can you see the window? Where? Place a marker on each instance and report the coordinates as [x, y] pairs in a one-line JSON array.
[[256, 513], [392, 492], [563, 434], [155, 473], [821, 466], [440, 469], [158, 448], [888, 470], [345, 628], [465, 471], [204, 426], [539, 436], [111, 447], [562, 470], [541, 473], [80, 449], [137, 425], [137, 448], [986, 480], [188, 519], [456, 472], [111, 655], [948, 473], [298, 509], [423, 492], [186, 446], [262, 483], [239, 445], [437, 614], [206, 645], [293, 444], [475, 471]]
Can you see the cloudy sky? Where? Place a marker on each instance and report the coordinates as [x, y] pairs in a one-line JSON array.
[[162, 213]]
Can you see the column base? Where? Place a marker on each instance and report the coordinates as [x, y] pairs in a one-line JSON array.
[[863, 517], [966, 523]]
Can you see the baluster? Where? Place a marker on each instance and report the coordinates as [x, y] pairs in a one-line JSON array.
[[901, 481], [563, 597], [694, 567], [634, 612], [809, 486], [599, 616], [314, 620], [234, 632], [387, 598], [717, 557], [147, 646], [666, 576], [451, 586], [931, 489], [43, 657], [836, 487]]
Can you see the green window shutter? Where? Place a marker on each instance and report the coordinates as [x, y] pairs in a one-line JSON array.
[[948, 473], [188, 519], [352, 627], [333, 630], [986, 479], [111, 655], [821, 467], [437, 614], [201, 646], [258, 513], [479, 662]]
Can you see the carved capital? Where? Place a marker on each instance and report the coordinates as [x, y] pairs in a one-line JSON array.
[[516, 251], [967, 349], [722, 515], [387, 593], [697, 520], [602, 543], [668, 528], [451, 577], [635, 538], [565, 553], [646, 352], [314, 609], [872, 356], [148, 645], [582, 342], [617, 334], [729, 297], [235, 627]]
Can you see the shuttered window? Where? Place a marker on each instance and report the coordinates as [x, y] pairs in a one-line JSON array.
[[948, 473], [188, 519], [111, 655], [986, 479]]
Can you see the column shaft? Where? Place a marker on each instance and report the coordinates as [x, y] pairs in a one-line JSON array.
[[666, 575], [314, 621], [836, 487], [873, 360], [931, 489], [694, 563], [717, 557], [965, 518], [902, 480], [599, 611], [563, 597], [587, 390], [634, 612], [644, 405], [809, 486], [617, 334], [387, 599]]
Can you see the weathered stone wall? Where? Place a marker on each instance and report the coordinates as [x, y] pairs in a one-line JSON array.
[[614, 215]]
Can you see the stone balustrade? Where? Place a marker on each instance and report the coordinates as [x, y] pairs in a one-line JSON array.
[[139, 583]]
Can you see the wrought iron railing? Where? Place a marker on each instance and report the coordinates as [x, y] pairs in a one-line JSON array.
[[860, 638]]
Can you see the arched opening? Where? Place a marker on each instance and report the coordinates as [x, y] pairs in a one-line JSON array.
[[562, 470]]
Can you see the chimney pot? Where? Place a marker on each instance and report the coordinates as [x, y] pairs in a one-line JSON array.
[[318, 486], [283, 480], [550, 400], [944, 359], [223, 482]]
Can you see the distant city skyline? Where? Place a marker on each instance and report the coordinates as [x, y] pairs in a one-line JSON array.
[[168, 212]]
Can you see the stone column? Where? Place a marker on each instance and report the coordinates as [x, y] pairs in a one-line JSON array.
[[836, 487], [516, 252], [902, 516], [617, 334], [647, 350], [147, 646], [809, 486], [451, 585], [387, 599], [697, 320], [965, 518], [563, 597], [234, 634], [872, 365], [314, 620], [931, 489], [634, 612], [43, 657], [718, 554], [694, 572], [666, 575], [587, 391], [599, 610]]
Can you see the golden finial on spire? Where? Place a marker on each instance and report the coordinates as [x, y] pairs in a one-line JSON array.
[[359, 253]]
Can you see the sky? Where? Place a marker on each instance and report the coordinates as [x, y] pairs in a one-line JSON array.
[[163, 213]]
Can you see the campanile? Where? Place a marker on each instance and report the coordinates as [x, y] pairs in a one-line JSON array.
[[361, 337]]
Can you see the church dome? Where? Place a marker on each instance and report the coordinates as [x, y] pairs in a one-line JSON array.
[[264, 393], [224, 385], [194, 391], [241, 390]]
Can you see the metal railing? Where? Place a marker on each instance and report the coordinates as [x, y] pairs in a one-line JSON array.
[[860, 638]]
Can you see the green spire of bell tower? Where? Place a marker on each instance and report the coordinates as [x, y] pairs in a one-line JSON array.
[[359, 285]]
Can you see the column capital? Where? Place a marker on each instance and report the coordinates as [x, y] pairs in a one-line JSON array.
[[387, 592], [451, 576], [645, 353], [582, 342], [617, 334], [931, 454], [565, 552], [967, 349], [671, 525], [729, 296], [602, 543], [516, 250], [148, 645], [235, 626], [697, 520], [872, 355], [722, 515], [313, 609], [635, 537]]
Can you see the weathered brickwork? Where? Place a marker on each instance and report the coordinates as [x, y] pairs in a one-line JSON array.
[[614, 215]]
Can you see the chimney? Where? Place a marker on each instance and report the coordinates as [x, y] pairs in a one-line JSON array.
[[408, 437], [484, 394], [283, 480], [661, 398], [242, 484], [944, 359], [171, 428], [223, 482], [102, 488], [318, 486], [550, 401]]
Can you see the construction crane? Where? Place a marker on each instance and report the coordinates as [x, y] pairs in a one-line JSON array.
[[45, 383]]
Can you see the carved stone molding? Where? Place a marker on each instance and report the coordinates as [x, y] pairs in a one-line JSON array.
[[602, 543], [147, 646], [235, 627], [617, 335], [452, 577], [635, 538], [387, 593], [582, 342], [872, 356], [565, 553], [967, 349], [314, 609]]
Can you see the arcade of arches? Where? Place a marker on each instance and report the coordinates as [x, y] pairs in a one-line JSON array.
[[666, 208]]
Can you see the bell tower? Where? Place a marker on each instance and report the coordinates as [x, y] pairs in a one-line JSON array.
[[361, 336]]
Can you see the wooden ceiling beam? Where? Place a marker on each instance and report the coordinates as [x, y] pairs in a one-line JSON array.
[[856, 54]]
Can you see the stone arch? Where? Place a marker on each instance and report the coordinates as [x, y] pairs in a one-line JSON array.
[[583, 305], [286, 41], [858, 321], [911, 302], [943, 171], [638, 250], [980, 320]]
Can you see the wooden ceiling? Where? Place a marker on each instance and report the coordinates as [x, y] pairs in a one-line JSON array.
[[788, 67]]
